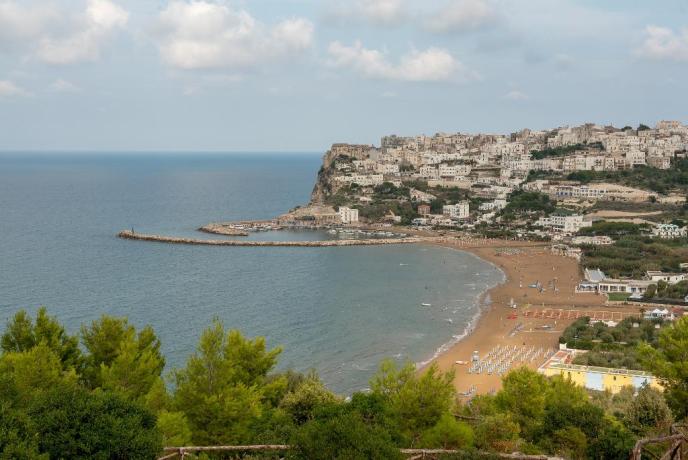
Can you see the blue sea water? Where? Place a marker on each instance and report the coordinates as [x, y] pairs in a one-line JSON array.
[[339, 310]]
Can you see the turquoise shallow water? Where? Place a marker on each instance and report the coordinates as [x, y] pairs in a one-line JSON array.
[[338, 310]]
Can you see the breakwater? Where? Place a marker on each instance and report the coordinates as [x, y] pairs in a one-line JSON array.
[[239, 228], [129, 235], [217, 230]]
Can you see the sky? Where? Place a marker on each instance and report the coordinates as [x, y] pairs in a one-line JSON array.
[[299, 75]]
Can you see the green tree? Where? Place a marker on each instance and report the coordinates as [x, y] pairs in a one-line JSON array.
[[16, 440], [668, 360], [223, 388], [567, 405], [135, 372], [418, 402], [22, 334], [448, 433], [343, 436], [648, 413], [118, 355], [375, 410], [76, 423], [613, 442], [124, 361], [499, 433], [570, 442], [523, 395], [302, 403], [174, 428], [29, 373]]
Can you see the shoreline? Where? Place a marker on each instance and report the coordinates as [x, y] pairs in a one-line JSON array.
[[498, 325], [482, 304]]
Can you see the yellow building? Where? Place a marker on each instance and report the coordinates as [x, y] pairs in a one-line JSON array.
[[600, 378]]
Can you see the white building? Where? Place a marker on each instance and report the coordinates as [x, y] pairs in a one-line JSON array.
[[659, 162], [598, 240], [669, 278], [494, 205], [348, 215], [577, 191], [659, 314], [364, 180], [459, 210], [429, 172], [668, 231], [453, 171], [387, 168], [567, 224]]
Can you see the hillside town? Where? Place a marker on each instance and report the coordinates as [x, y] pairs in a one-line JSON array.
[[485, 170]]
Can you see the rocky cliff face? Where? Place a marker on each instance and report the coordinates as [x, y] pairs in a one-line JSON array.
[[324, 185]]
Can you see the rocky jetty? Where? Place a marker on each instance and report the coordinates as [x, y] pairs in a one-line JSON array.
[[221, 229], [129, 235]]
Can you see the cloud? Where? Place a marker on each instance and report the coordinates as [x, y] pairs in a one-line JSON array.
[[665, 44], [63, 86], [432, 64], [8, 89], [516, 95], [204, 35], [379, 12], [58, 36], [23, 22], [462, 16]]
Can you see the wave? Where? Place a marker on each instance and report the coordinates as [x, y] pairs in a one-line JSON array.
[[470, 326], [481, 302]]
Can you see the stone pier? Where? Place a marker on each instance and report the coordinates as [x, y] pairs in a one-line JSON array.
[[129, 235]]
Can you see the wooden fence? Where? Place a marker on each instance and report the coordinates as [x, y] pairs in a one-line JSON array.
[[412, 454], [672, 447]]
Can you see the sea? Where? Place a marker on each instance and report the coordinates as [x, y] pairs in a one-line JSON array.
[[338, 310]]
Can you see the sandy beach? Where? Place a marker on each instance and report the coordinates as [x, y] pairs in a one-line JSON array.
[[501, 325]]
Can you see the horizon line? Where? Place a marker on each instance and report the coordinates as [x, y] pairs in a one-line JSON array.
[[157, 151]]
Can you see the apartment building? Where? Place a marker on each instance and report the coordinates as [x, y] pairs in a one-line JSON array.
[[459, 210], [566, 224]]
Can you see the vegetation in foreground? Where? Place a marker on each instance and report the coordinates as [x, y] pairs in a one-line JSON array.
[[100, 394]]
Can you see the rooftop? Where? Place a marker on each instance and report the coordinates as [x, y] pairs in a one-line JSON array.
[[601, 370]]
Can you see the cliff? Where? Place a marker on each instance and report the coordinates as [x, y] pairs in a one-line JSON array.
[[324, 185]]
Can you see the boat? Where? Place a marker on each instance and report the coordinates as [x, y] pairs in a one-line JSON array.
[[426, 304]]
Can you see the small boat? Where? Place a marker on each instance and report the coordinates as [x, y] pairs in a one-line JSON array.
[[403, 265], [426, 305]]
